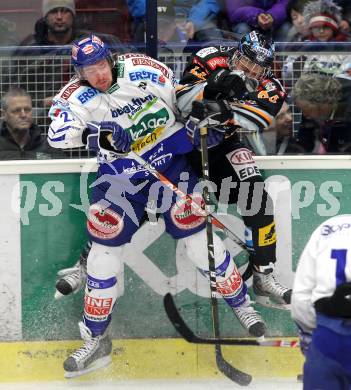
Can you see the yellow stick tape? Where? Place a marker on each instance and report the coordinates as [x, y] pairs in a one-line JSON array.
[[145, 359]]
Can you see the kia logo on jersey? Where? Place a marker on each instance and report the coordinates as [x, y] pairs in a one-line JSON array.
[[242, 156]]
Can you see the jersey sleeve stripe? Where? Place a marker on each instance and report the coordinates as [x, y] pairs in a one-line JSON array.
[[262, 114]]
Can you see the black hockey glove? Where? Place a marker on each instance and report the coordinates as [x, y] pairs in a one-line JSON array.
[[226, 84], [338, 305], [211, 114]]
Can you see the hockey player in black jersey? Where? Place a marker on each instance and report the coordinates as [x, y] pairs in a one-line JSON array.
[[234, 91]]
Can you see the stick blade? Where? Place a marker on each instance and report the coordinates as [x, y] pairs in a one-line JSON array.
[[234, 374], [176, 319], [237, 376]]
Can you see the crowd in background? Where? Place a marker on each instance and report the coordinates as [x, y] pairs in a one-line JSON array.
[[316, 119]]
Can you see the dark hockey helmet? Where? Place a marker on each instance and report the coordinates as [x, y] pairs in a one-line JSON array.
[[89, 51], [255, 54]]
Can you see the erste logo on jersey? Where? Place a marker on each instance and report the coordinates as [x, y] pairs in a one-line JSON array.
[[87, 95], [148, 75]]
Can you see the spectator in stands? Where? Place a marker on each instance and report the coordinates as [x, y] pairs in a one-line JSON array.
[[20, 138], [299, 30], [268, 16], [345, 6], [323, 18], [167, 28], [168, 34], [277, 136], [58, 27], [325, 102], [201, 18]]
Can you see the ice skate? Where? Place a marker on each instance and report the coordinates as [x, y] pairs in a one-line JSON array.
[[250, 319], [93, 355], [74, 278], [269, 292]]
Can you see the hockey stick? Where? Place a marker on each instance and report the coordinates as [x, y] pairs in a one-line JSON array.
[[189, 336], [228, 370], [182, 195]]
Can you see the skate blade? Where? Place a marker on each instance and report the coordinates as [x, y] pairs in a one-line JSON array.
[[58, 295], [267, 302], [99, 363]]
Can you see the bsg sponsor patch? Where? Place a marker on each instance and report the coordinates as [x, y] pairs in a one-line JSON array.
[[184, 216], [104, 224], [243, 163], [267, 235]]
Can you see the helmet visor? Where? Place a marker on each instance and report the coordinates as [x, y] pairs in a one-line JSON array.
[[252, 70]]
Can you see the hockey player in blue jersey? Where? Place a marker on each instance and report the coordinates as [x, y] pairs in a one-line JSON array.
[[321, 305], [131, 100]]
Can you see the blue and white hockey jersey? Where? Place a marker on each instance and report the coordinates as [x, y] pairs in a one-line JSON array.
[[324, 264], [141, 100]]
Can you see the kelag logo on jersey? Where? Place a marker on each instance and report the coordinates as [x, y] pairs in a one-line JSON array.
[[149, 123], [147, 75], [133, 107]]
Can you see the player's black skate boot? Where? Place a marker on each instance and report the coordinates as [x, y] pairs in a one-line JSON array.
[[74, 278], [93, 355]]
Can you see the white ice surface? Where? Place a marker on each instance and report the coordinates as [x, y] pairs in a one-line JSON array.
[[262, 384]]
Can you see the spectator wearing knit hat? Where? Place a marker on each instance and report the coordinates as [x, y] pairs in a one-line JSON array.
[[58, 26], [323, 18]]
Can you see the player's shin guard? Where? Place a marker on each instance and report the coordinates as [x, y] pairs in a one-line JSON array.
[[230, 284], [100, 297]]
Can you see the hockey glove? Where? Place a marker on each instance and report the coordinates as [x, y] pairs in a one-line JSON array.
[[121, 140], [338, 305], [100, 140], [226, 84], [305, 339], [211, 114], [214, 137]]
